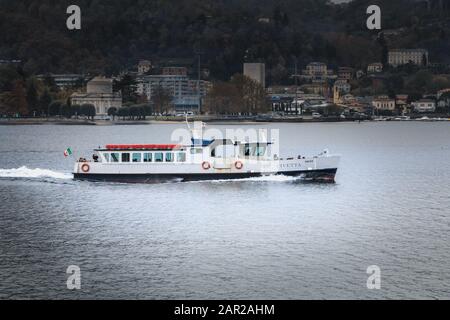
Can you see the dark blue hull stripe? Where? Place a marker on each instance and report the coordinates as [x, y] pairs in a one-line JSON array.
[[319, 175]]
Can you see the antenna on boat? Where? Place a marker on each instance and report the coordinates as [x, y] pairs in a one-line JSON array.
[[187, 122]]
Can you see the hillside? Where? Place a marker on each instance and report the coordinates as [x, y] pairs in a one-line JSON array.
[[117, 33]]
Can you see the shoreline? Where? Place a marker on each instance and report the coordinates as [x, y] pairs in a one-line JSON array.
[[216, 120]]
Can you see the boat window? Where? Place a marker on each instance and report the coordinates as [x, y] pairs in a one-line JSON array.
[[159, 157], [260, 151], [147, 157], [169, 157], [125, 157], [114, 157], [247, 150], [196, 151], [137, 157], [224, 151], [181, 157], [106, 155]]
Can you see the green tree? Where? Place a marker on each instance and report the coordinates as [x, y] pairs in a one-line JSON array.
[[8, 75], [44, 102], [69, 101], [76, 110], [66, 111], [55, 108], [136, 112], [414, 96], [420, 81], [123, 112], [88, 110], [18, 99], [5, 109], [13, 102], [148, 109], [127, 85], [32, 96], [424, 60], [50, 83], [140, 110], [383, 48], [112, 112]]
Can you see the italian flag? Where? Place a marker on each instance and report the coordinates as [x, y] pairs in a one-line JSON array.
[[67, 152]]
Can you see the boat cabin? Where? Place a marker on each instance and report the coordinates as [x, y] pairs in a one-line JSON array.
[[173, 153]]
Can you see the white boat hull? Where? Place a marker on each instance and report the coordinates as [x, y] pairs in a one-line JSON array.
[[321, 168]]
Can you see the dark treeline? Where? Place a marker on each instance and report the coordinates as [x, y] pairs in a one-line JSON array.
[[117, 33]]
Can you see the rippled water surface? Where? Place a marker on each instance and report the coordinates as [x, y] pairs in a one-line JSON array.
[[271, 238]]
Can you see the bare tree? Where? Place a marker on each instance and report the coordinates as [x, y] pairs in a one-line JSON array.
[[223, 98], [241, 95], [162, 99], [252, 94]]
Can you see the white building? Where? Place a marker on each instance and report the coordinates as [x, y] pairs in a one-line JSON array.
[[375, 67], [64, 81], [256, 71], [99, 93], [424, 105], [316, 69], [292, 103], [185, 92], [317, 72], [398, 57], [384, 103]]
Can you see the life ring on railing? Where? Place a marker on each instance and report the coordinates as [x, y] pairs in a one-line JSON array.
[[238, 165], [206, 165], [85, 168]]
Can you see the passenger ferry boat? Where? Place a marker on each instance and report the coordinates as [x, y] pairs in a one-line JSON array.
[[200, 160]]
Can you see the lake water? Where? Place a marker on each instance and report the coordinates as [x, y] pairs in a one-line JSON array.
[[265, 238]]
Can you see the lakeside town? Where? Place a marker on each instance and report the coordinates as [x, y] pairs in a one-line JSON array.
[[171, 92]]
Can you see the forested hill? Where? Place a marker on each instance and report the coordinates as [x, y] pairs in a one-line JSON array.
[[117, 33]]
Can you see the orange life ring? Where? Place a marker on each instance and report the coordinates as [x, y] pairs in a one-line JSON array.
[[238, 165], [206, 165], [85, 168]]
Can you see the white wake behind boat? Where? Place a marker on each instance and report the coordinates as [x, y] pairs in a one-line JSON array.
[[201, 160]]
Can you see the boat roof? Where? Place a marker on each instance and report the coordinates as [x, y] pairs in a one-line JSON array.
[[169, 147], [128, 147]]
